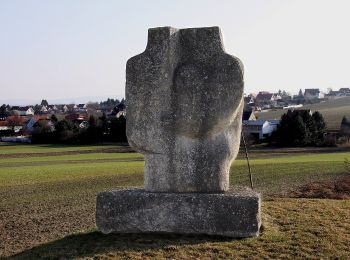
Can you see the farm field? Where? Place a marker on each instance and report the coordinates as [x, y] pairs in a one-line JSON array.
[[332, 111], [47, 205]]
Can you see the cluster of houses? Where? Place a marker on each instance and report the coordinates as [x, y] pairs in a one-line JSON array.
[[265, 100], [26, 119], [342, 92], [50, 109], [23, 121]]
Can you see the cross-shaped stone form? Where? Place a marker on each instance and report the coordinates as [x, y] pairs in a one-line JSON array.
[[184, 97]]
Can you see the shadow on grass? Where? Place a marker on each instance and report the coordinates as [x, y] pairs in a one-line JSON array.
[[90, 244]]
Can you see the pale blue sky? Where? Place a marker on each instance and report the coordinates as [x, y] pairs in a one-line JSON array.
[[70, 48]]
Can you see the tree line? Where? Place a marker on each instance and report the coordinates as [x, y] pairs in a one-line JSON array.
[[300, 128]]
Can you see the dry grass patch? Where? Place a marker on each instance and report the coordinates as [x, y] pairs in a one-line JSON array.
[[336, 189], [293, 229]]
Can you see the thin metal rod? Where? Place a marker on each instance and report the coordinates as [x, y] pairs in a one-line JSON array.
[[247, 157]]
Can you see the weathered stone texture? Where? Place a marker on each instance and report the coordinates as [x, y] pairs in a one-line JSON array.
[[184, 104], [235, 213], [184, 99]]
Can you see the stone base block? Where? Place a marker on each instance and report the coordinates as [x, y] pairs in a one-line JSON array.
[[235, 213]]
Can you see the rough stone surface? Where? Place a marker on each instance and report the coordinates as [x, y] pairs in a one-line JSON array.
[[235, 213], [184, 108], [184, 99]]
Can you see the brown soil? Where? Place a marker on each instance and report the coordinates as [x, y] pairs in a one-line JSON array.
[[338, 189], [34, 214], [64, 162]]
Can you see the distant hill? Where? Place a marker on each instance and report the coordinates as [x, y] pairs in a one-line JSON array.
[[332, 110]]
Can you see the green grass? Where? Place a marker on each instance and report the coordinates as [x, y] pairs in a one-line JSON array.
[[332, 111], [48, 202], [268, 173], [53, 173]]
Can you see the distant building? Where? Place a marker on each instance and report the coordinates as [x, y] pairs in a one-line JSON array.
[[75, 117], [266, 100], [344, 91], [260, 129], [4, 126], [14, 122], [118, 110], [33, 122], [52, 109], [23, 111], [333, 93], [248, 100], [265, 96], [313, 93], [69, 108], [43, 109], [61, 108], [80, 108]]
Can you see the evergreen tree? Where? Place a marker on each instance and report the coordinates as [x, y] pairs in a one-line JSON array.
[[54, 119], [3, 111], [104, 123], [44, 102], [320, 127], [66, 132], [118, 129], [92, 122], [94, 131], [299, 128], [345, 127]]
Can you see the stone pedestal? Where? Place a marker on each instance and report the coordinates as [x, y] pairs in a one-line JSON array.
[[235, 213], [184, 103]]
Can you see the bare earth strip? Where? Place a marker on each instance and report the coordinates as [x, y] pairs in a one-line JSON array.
[[65, 162], [117, 149]]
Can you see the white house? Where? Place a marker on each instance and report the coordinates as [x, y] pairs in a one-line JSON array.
[[24, 111], [65, 108], [52, 109], [43, 109], [80, 108], [260, 128], [248, 100]]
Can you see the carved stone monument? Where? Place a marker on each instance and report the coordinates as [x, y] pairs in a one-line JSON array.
[[184, 99]]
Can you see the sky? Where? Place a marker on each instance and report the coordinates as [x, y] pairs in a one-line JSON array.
[[78, 48]]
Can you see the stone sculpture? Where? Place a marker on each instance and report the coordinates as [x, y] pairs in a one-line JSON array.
[[184, 99]]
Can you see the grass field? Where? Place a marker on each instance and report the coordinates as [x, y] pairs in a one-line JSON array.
[[48, 202], [332, 111]]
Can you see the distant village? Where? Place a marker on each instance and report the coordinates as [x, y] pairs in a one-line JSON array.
[[17, 123], [265, 101]]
